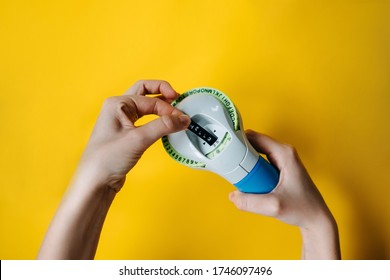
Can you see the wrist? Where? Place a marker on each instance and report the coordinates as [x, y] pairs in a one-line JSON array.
[[75, 229], [320, 239], [84, 190], [92, 175]]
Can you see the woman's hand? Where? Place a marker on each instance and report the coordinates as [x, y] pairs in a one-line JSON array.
[[115, 146], [116, 143], [295, 200]]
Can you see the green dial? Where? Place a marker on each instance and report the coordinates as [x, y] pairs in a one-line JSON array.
[[231, 109]]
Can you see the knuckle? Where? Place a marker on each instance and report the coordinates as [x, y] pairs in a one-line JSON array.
[[139, 82], [110, 101], [242, 204], [136, 89], [290, 151], [275, 207], [121, 106], [118, 105]]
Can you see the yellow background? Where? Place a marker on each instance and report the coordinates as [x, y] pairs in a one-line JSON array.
[[311, 73]]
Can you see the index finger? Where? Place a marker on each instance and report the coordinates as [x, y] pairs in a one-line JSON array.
[[268, 146], [148, 106], [277, 153], [145, 87]]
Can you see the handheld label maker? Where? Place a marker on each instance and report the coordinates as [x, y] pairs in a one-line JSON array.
[[214, 141]]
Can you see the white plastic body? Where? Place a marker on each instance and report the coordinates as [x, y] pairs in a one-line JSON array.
[[235, 160]]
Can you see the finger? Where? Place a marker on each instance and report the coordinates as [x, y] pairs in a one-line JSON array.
[[168, 100], [268, 146], [154, 130], [147, 106], [263, 204], [145, 87], [262, 143]]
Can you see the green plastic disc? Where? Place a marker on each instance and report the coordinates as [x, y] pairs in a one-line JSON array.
[[228, 104]]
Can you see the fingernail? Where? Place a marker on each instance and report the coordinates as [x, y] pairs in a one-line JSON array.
[[185, 120], [231, 196]]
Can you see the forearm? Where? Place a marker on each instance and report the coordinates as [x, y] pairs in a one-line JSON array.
[[75, 230], [321, 240]]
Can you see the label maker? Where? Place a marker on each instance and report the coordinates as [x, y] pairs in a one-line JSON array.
[[215, 141]]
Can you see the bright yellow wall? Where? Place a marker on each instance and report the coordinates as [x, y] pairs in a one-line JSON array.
[[311, 73]]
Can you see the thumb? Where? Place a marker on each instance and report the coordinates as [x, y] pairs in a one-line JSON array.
[[263, 204], [164, 125]]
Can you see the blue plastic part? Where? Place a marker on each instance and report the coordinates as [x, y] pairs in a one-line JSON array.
[[263, 178]]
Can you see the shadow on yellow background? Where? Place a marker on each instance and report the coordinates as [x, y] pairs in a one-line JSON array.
[[315, 75]]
